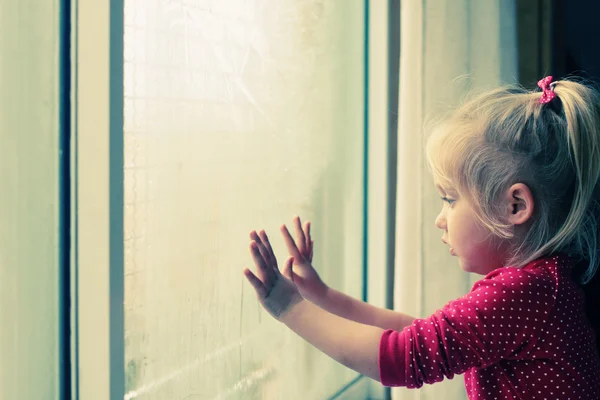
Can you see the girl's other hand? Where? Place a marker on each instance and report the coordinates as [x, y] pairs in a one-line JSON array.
[[276, 293], [303, 273]]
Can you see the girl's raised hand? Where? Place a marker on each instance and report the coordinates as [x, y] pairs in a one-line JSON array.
[[275, 292], [303, 273]]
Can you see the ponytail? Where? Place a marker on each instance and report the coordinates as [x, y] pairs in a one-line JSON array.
[[580, 232]]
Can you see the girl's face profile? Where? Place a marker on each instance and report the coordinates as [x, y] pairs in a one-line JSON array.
[[477, 250]]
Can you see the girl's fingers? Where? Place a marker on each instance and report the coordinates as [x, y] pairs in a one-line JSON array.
[[287, 269], [256, 283], [300, 235], [265, 241], [312, 244], [289, 242], [267, 254], [270, 262], [265, 272], [266, 249], [307, 239]]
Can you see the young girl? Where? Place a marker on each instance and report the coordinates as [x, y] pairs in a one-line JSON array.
[[518, 173]]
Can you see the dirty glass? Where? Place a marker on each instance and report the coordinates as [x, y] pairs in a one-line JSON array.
[[239, 115]]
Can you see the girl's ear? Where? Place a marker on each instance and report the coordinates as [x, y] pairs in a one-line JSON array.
[[520, 202]]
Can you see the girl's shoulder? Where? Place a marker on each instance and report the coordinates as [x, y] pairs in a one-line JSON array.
[[542, 268], [541, 274]]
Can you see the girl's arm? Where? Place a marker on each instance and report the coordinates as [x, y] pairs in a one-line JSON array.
[[353, 309], [350, 343], [316, 291]]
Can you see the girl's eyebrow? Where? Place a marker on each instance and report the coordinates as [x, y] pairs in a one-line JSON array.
[[449, 190]]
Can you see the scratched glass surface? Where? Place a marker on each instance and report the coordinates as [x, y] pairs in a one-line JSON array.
[[238, 116]]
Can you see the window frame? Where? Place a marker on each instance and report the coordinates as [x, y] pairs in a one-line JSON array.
[[97, 206]]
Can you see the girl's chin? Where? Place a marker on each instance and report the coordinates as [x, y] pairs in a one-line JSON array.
[[472, 268], [465, 265]]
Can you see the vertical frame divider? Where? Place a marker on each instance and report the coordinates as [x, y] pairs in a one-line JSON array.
[[98, 199], [380, 226]]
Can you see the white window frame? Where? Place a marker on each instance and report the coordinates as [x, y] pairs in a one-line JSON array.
[[97, 207], [380, 226]]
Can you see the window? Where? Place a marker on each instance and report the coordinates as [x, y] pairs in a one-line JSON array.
[[238, 115]]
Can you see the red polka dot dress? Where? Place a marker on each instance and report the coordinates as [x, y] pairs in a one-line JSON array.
[[520, 333]]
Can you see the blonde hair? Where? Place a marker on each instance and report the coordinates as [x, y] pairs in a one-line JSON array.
[[506, 136]]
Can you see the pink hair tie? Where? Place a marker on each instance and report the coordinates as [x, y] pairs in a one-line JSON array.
[[547, 86]]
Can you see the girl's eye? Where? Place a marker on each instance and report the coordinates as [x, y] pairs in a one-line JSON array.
[[447, 200]]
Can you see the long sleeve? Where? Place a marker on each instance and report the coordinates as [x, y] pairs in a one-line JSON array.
[[503, 317]]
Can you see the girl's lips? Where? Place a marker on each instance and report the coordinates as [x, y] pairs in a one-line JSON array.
[[452, 251]]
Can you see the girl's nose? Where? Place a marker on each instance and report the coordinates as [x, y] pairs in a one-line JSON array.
[[440, 221]]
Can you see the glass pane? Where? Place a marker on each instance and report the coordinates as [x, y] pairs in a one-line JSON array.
[[238, 116]]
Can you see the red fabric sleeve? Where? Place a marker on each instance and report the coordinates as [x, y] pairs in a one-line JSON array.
[[502, 317]]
